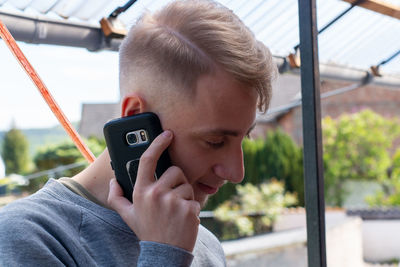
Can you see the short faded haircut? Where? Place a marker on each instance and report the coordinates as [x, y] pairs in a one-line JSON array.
[[188, 39]]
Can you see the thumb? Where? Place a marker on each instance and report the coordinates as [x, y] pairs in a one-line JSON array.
[[116, 199]]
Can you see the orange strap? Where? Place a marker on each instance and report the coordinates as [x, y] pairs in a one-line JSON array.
[[12, 45]]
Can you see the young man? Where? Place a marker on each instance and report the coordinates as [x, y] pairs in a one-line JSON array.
[[196, 66]]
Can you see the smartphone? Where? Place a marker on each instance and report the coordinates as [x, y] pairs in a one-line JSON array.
[[127, 138]]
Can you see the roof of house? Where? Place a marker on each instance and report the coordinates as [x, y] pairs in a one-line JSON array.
[[94, 116], [285, 93]]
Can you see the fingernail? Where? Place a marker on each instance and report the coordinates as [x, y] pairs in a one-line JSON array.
[[167, 134]]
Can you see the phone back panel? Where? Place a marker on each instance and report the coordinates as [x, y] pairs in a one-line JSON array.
[[125, 157]]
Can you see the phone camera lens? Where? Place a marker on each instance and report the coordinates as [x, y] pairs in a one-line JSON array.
[[131, 138], [143, 136]]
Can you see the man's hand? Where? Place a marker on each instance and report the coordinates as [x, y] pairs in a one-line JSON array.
[[162, 211]]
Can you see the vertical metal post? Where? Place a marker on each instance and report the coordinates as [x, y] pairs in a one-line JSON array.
[[313, 164]]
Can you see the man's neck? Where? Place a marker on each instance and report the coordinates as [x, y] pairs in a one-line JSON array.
[[96, 177]]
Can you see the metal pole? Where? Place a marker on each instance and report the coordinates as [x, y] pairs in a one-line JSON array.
[[313, 164]]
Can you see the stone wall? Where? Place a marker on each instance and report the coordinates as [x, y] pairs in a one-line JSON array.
[[287, 246]]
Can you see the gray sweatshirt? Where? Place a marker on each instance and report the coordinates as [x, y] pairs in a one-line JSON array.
[[56, 227]]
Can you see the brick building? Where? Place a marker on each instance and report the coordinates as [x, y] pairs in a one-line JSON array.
[[285, 111]]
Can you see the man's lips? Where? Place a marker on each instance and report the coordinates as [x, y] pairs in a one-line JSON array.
[[207, 189]]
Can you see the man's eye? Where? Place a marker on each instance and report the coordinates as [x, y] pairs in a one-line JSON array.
[[215, 144]]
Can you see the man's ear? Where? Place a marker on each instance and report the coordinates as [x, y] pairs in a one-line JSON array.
[[132, 104]]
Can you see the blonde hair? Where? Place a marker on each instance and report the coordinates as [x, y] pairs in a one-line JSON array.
[[187, 39]]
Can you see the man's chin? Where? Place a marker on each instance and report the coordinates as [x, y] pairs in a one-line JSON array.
[[203, 201]]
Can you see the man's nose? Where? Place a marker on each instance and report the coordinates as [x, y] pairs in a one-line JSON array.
[[231, 167]]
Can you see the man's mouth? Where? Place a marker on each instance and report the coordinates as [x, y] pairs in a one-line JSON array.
[[207, 189]]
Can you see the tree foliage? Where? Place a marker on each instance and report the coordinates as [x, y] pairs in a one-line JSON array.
[[15, 152], [356, 147]]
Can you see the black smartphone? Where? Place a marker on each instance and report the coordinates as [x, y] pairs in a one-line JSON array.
[[127, 138]]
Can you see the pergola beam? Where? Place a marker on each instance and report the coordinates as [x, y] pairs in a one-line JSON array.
[[41, 30], [379, 7]]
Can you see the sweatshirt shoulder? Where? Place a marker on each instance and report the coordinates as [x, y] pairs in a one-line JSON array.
[[208, 238], [37, 228], [39, 209], [209, 245]]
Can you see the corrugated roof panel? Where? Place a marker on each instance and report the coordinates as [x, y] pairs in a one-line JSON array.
[[67, 8], [361, 38], [20, 4], [256, 22], [43, 6], [327, 10], [343, 37], [90, 8], [247, 9], [226, 2], [237, 5], [255, 11], [358, 39], [392, 66], [283, 33], [9, 7], [376, 49]]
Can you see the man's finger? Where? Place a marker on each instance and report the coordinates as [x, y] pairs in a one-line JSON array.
[[116, 199], [172, 178], [184, 191], [148, 160]]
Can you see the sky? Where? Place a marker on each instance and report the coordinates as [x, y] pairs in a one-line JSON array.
[[72, 75]]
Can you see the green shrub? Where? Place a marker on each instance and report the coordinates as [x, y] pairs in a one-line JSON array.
[[277, 155], [280, 157], [264, 202], [389, 195], [356, 147], [64, 153]]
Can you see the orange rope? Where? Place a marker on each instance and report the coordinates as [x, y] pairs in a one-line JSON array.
[[12, 45]]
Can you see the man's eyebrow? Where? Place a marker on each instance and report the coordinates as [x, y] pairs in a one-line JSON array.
[[229, 132]]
